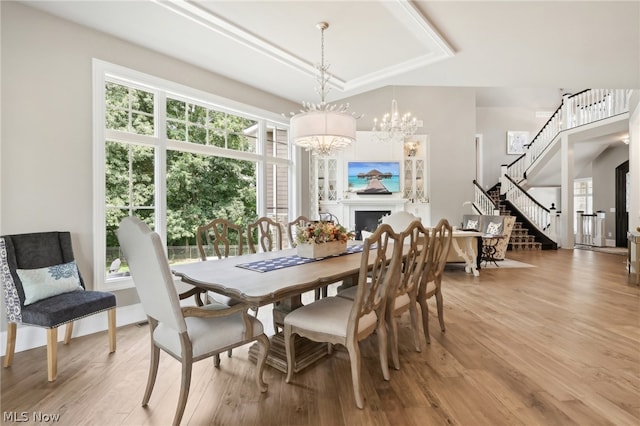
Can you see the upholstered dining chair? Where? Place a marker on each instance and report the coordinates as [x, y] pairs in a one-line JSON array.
[[43, 287], [338, 320], [431, 282], [188, 334], [265, 234]]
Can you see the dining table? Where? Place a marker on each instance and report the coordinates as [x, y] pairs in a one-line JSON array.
[[278, 277]]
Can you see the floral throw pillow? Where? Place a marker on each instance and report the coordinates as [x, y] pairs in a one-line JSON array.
[[50, 281], [494, 228]]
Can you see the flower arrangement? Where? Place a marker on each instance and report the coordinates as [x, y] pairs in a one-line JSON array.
[[323, 232]]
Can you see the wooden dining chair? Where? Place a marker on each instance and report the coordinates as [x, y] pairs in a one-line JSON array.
[[338, 320], [265, 234], [217, 239], [300, 221], [189, 333], [431, 282], [404, 295]]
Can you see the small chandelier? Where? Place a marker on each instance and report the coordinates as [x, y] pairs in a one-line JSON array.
[[323, 128], [392, 127]]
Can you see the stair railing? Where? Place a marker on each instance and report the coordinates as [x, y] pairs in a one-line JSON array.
[[537, 214], [575, 110], [483, 201]]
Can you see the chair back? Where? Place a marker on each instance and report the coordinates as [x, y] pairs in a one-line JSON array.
[[439, 246], [292, 226], [374, 283], [217, 235], [415, 240], [268, 235], [145, 254], [29, 251]]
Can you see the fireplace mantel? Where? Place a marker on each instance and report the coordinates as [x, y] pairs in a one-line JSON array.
[[370, 202], [375, 201]]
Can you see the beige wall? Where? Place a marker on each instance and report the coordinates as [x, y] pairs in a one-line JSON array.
[[46, 151], [449, 117]]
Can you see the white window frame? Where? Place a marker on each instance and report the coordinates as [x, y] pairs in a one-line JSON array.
[[105, 71]]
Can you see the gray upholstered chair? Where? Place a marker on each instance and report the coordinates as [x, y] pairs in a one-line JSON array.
[[190, 333], [337, 320], [43, 287]]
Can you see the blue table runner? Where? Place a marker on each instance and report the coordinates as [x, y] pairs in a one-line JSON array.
[[287, 261]]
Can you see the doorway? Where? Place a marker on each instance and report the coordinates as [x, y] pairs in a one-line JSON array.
[[622, 203]]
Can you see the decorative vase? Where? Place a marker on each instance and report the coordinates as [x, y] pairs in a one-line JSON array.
[[315, 251]]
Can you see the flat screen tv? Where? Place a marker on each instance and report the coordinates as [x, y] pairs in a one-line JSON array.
[[373, 177]]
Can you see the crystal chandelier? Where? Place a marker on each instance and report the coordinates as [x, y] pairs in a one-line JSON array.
[[323, 128], [392, 127]]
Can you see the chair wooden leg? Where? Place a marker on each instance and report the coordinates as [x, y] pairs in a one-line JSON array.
[[111, 313], [425, 319], [392, 324], [216, 360], [354, 358], [68, 331], [440, 310], [413, 312], [153, 373], [383, 350], [263, 340], [185, 382], [52, 353], [11, 343]]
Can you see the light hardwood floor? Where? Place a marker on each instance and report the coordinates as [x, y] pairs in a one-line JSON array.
[[556, 344]]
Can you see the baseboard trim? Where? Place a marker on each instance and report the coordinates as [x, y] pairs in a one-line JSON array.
[[29, 337]]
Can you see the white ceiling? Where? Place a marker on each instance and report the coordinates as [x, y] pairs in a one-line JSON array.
[[518, 53]]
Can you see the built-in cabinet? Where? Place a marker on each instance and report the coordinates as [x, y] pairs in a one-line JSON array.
[[328, 178]]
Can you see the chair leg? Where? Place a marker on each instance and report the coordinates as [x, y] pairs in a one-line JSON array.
[[111, 313], [187, 363], [153, 373], [52, 353], [264, 342], [68, 331], [354, 358], [392, 324], [413, 311], [425, 319], [317, 294], [11, 343], [229, 353], [383, 350], [216, 360], [440, 310]]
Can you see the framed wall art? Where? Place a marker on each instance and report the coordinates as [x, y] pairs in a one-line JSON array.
[[516, 141]]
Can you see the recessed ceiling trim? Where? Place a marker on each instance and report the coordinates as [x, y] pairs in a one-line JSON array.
[[413, 18], [392, 71], [227, 29], [404, 10]]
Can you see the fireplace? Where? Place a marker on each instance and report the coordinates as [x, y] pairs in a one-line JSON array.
[[368, 220]]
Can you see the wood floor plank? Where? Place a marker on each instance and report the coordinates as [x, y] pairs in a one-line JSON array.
[[553, 344]]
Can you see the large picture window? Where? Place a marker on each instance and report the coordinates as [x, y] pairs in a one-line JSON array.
[[178, 158]]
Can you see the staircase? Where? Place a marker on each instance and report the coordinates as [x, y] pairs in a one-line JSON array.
[[520, 238]]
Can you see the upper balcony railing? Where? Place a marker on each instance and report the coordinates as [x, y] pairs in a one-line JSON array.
[[576, 110]]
